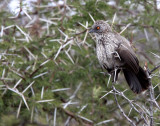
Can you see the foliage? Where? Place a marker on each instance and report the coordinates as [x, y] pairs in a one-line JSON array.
[[49, 48]]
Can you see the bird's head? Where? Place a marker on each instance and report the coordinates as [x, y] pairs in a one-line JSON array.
[[100, 27]]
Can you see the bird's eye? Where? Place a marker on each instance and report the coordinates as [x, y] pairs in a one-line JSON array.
[[97, 27]]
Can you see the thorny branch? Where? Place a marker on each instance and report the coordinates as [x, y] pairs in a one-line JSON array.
[[122, 111], [114, 91], [155, 68], [142, 112], [151, 93], [77, 118]]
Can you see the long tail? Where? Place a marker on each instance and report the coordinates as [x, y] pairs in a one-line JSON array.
[[137, 82]]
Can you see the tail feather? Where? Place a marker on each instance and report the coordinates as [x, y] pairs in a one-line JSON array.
[[137, 82], [143, 79]]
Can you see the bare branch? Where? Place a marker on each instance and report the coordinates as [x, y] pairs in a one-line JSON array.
[[122, 111]]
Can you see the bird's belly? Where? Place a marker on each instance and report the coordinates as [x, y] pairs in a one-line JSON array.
[[105, 56]]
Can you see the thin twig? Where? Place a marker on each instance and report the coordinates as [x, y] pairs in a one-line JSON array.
[[122, 111], [151, 93], [155, 68], [76, 117]]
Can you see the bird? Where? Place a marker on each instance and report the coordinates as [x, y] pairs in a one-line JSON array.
[[115, 53]]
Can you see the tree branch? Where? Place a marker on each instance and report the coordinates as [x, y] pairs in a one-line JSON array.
[[155, 68], [77, 118], [122, 111]]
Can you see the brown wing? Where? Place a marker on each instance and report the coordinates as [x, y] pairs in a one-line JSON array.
[[129, 58]]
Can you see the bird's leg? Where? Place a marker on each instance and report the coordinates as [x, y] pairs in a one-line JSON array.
[[107, 73], [109, 79], [115, 74]]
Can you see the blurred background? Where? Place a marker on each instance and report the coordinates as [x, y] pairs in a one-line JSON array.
[[49, 72]]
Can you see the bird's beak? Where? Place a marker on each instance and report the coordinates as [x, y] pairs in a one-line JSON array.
[[91, 31]]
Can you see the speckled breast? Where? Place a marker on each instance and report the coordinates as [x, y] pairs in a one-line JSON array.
[[105, 54]]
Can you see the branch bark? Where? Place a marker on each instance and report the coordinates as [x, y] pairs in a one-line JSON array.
[[122, 111]]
